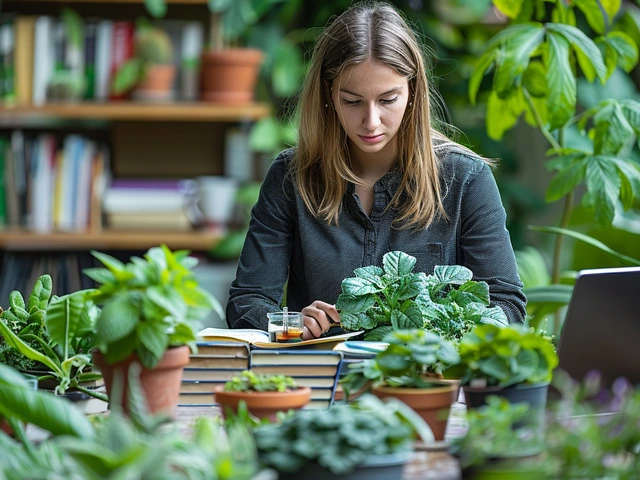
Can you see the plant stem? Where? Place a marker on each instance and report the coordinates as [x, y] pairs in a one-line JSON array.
[[536, 116], [215, 32], [101, 396], [557, 251]]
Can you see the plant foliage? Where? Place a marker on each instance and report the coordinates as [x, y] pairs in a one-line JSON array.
[[249, 381]]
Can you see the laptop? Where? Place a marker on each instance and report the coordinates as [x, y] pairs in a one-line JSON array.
[[602, 326]]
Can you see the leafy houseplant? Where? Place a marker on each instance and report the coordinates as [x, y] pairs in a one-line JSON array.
[[410, 369], [151, 312], [346, 439], [51, 336], [150, 70], [114, 446], [264, 395], [507, 361], [535, 66], [447, 302]]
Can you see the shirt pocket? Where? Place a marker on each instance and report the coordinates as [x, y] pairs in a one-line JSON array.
[[427, 256]]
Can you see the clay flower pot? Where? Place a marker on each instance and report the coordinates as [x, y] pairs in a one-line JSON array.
[[156, 85], [229, 76], [263, 404], [432, 404], [161, 385]]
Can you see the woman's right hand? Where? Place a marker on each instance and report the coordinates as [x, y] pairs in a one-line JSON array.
[[318, 318]]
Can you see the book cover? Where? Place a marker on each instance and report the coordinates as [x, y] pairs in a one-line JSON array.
[[203, 386], [278, 357], [297, 370], [219, 362], [193, 399], [315, 382], [121, 51], [216, 375], [231, 349], [25, 36]]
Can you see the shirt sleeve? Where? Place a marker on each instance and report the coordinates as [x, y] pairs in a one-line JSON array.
[[263, 267], [486, 247]]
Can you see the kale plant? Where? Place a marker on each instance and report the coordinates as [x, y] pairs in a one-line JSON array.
[[249, 381], [447, 302]]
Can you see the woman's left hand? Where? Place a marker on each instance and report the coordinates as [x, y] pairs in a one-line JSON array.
[[318, 318]]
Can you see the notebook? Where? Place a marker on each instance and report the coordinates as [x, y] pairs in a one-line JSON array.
[[602, 325]]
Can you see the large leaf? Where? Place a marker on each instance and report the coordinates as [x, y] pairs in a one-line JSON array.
[[41, 293], [356, 287], [587, 239], [514, 60], [613, 131], [595, 17], [591, 58], [481, 66], [453, 274], [14, 341], [350, 304], [561, 101], [54, 414], [398, 263], [63, 315], [626, 49], [502, 114], [511, 8], [567, 179], [118, 319], [603, 183], [157, 8], [288, 67]]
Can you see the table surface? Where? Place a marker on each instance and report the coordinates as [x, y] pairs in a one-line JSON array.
[[427, 463]]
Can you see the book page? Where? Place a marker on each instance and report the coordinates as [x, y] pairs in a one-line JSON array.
[[249, 335], [320, 343]]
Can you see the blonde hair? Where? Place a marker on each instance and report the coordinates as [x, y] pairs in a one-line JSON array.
[[321, 165]]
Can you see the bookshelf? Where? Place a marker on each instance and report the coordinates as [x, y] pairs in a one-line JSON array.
[[24, 240], [136, 111]]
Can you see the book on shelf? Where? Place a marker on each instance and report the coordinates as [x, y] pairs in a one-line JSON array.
[[221, 349], [318, 404], [218, 362], [204, 386], [303, 358], [210, 374], [195, 399], [260, 339], [296, 370], [176, 221]]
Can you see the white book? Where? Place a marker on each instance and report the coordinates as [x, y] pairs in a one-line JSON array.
[[142, 201], [83, 199], [104, 34], [43, 58], [41, 195]]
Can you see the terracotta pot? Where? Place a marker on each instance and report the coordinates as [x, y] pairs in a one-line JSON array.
[[432, 404], [230, 76], [263, 404], [160, 385], [157, 84]]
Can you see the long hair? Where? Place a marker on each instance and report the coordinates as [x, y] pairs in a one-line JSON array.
[[321, 165]]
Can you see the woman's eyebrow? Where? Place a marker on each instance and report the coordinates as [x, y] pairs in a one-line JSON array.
[[394, 89]]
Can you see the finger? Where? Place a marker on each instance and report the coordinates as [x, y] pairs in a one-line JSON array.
[[328, 309], [318, 315], [312, 326], [306, 334]]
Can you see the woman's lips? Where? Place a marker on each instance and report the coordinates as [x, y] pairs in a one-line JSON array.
[[372, 139]]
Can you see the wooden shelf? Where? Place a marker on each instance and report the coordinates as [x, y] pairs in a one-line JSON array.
[[22, 240], [177, 112]]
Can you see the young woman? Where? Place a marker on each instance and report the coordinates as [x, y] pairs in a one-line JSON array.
[[370, 175]]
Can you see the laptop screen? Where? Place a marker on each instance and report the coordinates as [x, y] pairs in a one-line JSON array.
[[602, 326]]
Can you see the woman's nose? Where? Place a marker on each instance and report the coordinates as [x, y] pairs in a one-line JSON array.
[[371, 119]]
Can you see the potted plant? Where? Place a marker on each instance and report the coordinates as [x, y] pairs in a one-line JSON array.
[[114, 446], [264, 395], [52, 337], [410, 369], [151, 70], [512, 362], [229, 75], [151, 312], [447, 302], [356, 441]]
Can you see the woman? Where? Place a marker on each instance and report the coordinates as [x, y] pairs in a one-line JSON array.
[[370, 175]]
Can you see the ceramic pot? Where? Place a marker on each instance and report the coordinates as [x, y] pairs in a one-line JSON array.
[[432, 404], [229, 76], [263, 404], [160, 385], [157, 84]]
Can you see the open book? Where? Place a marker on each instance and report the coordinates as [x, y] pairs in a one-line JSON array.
[[260, 338]]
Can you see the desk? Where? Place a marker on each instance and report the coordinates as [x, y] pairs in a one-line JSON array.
[[424, 465]]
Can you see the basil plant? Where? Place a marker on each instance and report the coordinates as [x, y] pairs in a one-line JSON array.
[[447, 302]]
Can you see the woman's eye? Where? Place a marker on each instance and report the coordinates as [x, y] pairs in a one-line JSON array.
[[350, 102], [388, 101]]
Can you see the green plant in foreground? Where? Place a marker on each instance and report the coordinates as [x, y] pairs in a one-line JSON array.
[[413, 359], [249, 381], [447, 302], [504, 356], [51, 335], [149, 304]]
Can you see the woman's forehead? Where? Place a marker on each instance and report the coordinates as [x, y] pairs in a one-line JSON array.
[[369, 78]]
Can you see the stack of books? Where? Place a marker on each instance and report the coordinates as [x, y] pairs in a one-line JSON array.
[[214, 364], [317, 369]]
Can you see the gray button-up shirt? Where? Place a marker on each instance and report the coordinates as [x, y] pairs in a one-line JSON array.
[[285, 242]]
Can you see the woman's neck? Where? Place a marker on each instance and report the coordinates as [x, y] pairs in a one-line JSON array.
[[371, 167]]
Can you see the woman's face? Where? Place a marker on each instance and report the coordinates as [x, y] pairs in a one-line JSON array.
[[370, 99]]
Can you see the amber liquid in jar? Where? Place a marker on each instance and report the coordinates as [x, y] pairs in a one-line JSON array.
[[291, 335]]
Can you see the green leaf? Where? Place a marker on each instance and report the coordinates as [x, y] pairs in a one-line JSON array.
[[514, 59], [511, 32], [154, 338], [613, 131], [392, 363], [230, 246], [287, 70], [595, 17], [591, 58], [631, 111], [62, 318], [410, 318], [603, 183], [567, 179], [118, 319], [494, 316], [626, 49], [561, 101], [481, 66], [503, 114], [350, 304], [127, 76], [100, 275], [51, 413], [453, 274], [534, 79], [219, 5], [41, 292], [494, 367], [265, 135], [398, 263], [157, 8], [587, 239], [14, 341], [356, 287], [378, 333], [511, 8]]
